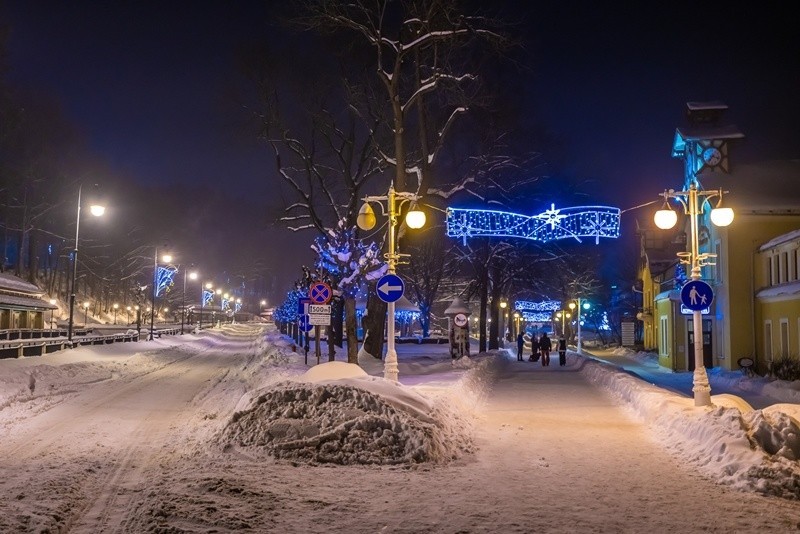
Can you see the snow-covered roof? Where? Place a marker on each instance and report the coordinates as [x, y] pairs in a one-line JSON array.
[[783, 290], [14, 301], [779, 240], [10, 282]]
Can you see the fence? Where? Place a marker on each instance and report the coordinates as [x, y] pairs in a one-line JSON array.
[[17, 347]]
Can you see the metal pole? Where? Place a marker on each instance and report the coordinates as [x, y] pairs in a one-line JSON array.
[[202, 302], [701, 387], [579, 325], [153, 304], [183, 300], [74, 270], [390, 368]]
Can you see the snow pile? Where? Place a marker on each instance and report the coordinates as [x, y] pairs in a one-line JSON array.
[[748, 449], [336, 413]]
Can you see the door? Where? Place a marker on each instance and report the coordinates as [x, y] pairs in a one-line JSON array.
[[708, 360]]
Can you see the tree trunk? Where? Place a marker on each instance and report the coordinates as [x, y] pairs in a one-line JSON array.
[[374, 324], [350, 326]]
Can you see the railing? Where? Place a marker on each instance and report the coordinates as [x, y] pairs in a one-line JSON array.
[[36, 333], [17, 348]]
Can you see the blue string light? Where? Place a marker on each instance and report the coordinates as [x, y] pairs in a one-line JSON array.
[[552, 224], [164, 279], [208, 296]]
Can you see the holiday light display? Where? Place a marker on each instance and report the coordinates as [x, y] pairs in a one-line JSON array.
[[164, 279], [537, 312], [208, 296], [563, 223]]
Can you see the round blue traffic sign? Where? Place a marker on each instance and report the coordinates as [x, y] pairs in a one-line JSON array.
[[303, 323], [320, 293], [697, 295], [390, 288]]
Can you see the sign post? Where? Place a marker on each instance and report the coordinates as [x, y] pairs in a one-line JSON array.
[[320, 293]]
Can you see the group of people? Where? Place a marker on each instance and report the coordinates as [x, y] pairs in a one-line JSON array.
[[540, 348]]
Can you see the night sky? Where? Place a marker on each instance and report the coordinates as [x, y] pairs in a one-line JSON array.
[[148, 83]]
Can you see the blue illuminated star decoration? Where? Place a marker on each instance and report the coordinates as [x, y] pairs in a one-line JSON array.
[[164, 279], [550, 225]]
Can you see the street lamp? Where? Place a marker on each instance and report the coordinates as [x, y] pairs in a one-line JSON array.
[[97, 210], [563, 315], [192, 276], [52, 303], [366, 221], [579, 306], [128, 309], [86, 314], [502, 326], [166, 259], [116, 307], [166, 311], [666, 218]]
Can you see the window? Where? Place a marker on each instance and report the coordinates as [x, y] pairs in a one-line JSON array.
[[784, 338], [770, 278], [663, 344], [768, 341], [784, 271]]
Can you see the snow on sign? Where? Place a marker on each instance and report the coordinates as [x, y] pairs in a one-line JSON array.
[[390, 288]]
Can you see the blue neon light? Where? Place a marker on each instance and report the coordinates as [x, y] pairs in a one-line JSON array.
[[208, 296], [552, 224], [164, 279]]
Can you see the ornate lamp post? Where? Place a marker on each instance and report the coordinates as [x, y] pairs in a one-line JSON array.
[[193, 276], [366, 221], [563, 315], [580, 307], [208, 288], [97, 210], [666, 218]]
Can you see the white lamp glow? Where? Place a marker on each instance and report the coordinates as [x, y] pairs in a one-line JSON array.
[[722, 216], [665, 219], [415, 219], [97, 210]]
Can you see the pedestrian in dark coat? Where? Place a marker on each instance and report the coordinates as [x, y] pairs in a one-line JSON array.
[[520, 347], [545, 345], [562, 351]]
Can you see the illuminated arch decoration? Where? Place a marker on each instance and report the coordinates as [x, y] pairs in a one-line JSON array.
[[563, 223], [164, 279], [537, 312]]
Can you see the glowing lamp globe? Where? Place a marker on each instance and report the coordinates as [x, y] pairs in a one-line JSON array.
[[97, 210], [366, 217], [722, 216], [665, 219], [415, 219]]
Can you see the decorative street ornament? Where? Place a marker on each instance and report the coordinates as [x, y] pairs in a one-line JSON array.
[[575, 223], [208, 296], [537, 312], [164, 279]]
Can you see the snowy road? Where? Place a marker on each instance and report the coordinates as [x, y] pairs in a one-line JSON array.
[[135, 452]]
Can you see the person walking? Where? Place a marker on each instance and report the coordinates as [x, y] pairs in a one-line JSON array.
[[562, 351], [544, 346], [520, 347]]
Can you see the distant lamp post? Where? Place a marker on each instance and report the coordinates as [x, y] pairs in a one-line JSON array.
[[116, 307], [502, 326], [366, 220], [166, 258], [516, 323], [85, 314], [128, 309], [166, 311], [52, 303], [666, 218], [96, 210], [579, 306], [563, 315], [208, 287], [192, 276]]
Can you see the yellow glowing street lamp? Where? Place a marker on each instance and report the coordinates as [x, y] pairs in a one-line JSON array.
[[666, 218], [563, 315], [96, 210], [366, 220], [192, 276]]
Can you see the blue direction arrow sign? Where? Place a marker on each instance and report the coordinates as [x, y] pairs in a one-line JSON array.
[[302, 302], [390, 288], [303, 323], [697, 295]]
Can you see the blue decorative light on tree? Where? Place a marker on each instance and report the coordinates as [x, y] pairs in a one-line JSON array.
[[552, 224], [346, 260], [164, 279]]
